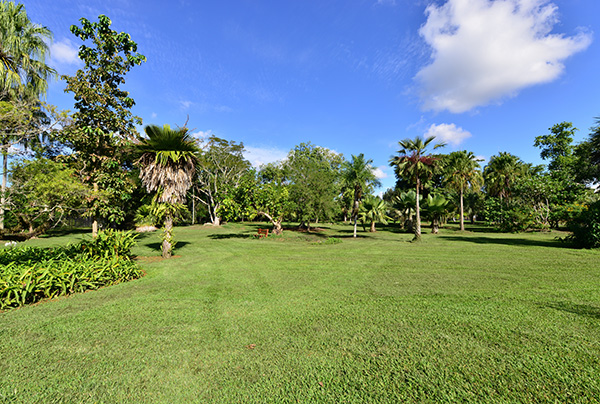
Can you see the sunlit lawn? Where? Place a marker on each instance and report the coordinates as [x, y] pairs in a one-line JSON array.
[[460, 317]]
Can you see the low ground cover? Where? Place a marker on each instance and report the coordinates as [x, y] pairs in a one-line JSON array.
[[29, 274], [472, 317]]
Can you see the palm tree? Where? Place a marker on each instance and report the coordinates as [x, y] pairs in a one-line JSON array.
[[359, 176], [406, 204], [500, 174], [461, 171], [23, 72], [416, 165], [373, 209], [23, 52], [167, 166], [437, 208]]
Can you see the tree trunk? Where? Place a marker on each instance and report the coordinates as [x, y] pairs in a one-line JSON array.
[[355, 214], [217, 221], [4, 183], [462, 215], [435, 226], [167, 237], [277, 230], [418, 224], [95, 222], [193, 207], [372, 229]]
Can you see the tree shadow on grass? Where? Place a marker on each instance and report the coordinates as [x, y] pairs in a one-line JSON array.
[[522, 242], [158, 246], [230, 235], [585, 310]]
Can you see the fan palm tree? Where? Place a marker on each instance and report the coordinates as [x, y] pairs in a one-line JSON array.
[[372, 210], [405, 204], [359, 176], [415, 164], [167, 166], [461, 171], [437, 208]]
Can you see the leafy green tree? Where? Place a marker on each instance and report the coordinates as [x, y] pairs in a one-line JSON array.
[[461, 172], [167, 167], [358, 176], [558, 147], [103, 122], [219, 171], [417, 165], [313, 173], [373, 210], [43, 192]]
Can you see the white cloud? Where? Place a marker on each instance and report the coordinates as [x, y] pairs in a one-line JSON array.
[[448, 133], [380, 172], [200, 135], [185, 104], [258, 156], [65, 52], [486, 50]]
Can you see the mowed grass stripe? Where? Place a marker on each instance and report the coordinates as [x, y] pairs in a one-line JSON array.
[[474, 317]]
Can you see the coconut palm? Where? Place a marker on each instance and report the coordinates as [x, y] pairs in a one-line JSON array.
[[461, 171], [359, 176], [415, 164], [23, 51], [167, 166], [372, 210], [23, 72]]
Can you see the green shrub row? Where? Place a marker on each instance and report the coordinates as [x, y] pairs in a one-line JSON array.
[[29, 274], [22, 284]]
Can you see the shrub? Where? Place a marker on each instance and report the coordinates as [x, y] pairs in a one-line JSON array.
[[109, 243], [585, 227], [29, 274]]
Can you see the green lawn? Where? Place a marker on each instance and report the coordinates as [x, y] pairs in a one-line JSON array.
[[460, 317]]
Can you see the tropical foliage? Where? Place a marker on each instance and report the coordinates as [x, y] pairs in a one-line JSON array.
[[415, 164]]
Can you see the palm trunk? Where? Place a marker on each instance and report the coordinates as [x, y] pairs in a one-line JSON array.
[[4, 182], [462, 216], [372, 229], [418, 210], [355, 215], [168, 236]]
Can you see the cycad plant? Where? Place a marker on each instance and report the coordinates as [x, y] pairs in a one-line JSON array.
[[372, 210], [167, 166]]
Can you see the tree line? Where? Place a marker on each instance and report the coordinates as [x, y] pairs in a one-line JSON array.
[[93, 163]]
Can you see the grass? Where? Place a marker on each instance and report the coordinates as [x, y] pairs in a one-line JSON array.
[[459, 317]]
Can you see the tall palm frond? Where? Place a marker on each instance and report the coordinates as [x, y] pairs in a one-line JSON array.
[[167, 162]]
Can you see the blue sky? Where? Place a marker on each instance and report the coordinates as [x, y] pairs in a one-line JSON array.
[[355, 76]]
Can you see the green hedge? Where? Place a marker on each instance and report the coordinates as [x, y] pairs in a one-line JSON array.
[[29, 274]]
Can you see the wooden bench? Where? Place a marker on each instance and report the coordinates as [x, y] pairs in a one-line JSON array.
[[262, 233]]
